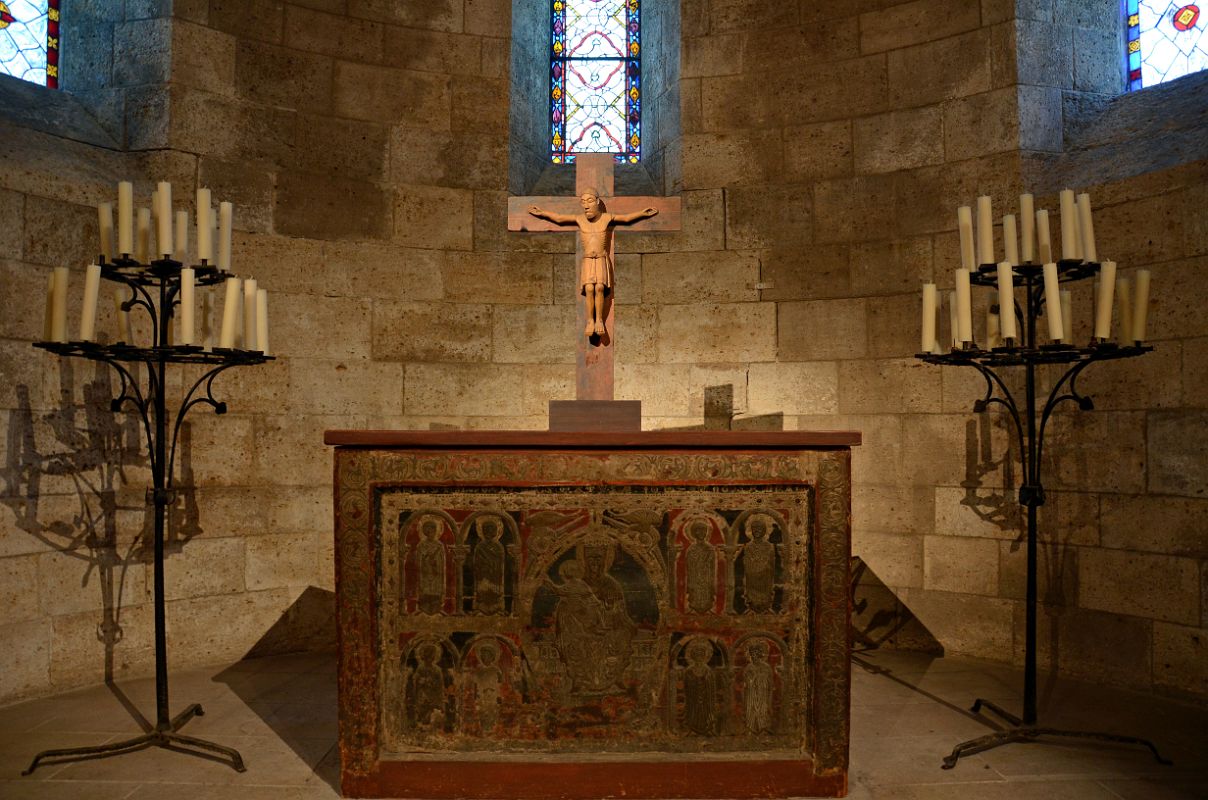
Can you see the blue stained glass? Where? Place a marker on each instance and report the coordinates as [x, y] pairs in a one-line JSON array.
[[29, 40], [1167, 39], [595, 79]]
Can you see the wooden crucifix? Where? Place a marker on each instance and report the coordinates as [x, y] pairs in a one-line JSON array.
[[594, 181]]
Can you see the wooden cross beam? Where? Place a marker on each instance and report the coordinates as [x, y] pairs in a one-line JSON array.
[[594, 363]]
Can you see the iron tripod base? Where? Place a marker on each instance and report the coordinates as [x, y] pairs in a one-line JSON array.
[[165, 736], [1031, 733]]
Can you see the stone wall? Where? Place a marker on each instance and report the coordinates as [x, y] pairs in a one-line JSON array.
[[820, 158]]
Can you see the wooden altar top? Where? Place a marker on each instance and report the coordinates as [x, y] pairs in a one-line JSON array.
[[541, 440]]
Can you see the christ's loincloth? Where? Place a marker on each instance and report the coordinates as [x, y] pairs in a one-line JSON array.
[[595, 270]]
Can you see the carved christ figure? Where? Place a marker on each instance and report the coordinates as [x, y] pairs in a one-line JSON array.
[[595, 236]]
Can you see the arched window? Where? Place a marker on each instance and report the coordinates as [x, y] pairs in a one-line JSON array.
[[595, 79], [1167, 39], [29, 40]]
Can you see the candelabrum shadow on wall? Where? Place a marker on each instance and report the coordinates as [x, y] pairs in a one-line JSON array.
[[720, 414], [74, 480]]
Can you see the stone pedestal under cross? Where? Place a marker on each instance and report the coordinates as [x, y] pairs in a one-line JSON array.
[[594, 359]]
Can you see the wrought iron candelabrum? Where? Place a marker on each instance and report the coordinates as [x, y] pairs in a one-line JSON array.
[[155, 288], [1029, 423]]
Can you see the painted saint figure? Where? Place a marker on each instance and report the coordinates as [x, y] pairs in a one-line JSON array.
[[428, 689], [595, 236], [758, 684], [577, 625], [701, 564], [700, 689], [759, 566], [489, 562], [487, 681], [430, 557]]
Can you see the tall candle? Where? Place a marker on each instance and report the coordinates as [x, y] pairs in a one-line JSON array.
[[230, 314], [964, 222], [964, 307], [207, 318], [1067, 315], [142, 246], [1044, 243], [1010, 239], [927, 339], [1052, 302], [1027, 229], [1124, 302], [1141, 306], [985, 231], [205, 240], [181, 239], [249, 314], [262, 320], [58, 306], [1006, 301], [1086, 228], [48, 319], [164, 218], [125, 218], [186, 306], [1070, 246], [104, 216], [1103, 303], [953, 325], [993, 327], [225, 220], [92, 289]]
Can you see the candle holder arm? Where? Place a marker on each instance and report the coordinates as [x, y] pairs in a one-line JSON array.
[[1006, 400], [1068, 381], [192, 399]]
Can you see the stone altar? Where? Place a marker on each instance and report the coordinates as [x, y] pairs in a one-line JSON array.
[[557, 615]]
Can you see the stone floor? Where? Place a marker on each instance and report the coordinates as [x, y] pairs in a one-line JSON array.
[[908, 710]]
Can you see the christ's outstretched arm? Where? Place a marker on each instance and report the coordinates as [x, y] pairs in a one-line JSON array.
[[625, 219], [552, 216]]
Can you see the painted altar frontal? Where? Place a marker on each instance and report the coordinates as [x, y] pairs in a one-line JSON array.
[[616, 619]]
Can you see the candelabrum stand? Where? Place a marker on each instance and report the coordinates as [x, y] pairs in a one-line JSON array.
[[1029, 425], [155, 288]]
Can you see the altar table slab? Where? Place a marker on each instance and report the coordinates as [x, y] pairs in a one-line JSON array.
[[577, 615]]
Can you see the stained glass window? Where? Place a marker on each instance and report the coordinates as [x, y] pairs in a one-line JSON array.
[[29, 40], [595, 79], [1166, 40]]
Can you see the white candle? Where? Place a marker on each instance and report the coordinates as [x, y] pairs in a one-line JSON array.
[[249, 314], [953, 325], [1103, 303], [1006, 301], [230, 314], [225, 220], [205, 241], [985, 230], [142, 245], [1052, 302], [207, 318], [262, 320], [125, 333], [964, 307], [1027, 229], [993, 330], [48, 319], [125, 218], [1044, 243], [927, 339], [58, 306], [1070, 246], [181, 239], [1124, 302], [164, 218], [1067, 315], [92, 290], [1010, 239], [104, 216], [1086, 228], [1141, 306], [186, 305], [964, 222]]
